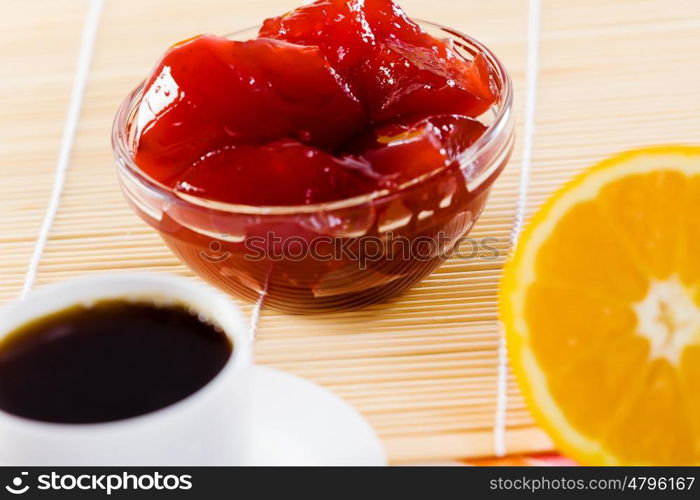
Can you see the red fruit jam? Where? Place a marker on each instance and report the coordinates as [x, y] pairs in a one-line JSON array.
[[332, 162], [209, 92], [411, 147], [388, 59], [284, 172]]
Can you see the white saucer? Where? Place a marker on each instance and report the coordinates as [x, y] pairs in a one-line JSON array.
[[296, 422]]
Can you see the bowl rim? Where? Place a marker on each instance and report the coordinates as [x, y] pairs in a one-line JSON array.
[[127, 165]]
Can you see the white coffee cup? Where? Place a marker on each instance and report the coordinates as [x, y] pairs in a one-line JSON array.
[[210, 427]]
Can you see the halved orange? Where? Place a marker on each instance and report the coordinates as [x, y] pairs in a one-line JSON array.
[[601, 307]]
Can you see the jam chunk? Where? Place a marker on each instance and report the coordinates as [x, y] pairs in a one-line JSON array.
[[393, 64], [346, 30], [409, 148], [403, 79], [283, 172], [210, 92]]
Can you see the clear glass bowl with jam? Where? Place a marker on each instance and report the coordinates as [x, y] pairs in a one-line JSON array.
[[340, 254]]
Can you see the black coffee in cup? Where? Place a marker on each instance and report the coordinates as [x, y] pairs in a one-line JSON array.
[[109, 361]]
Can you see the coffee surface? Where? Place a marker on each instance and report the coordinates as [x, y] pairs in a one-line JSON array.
[[113, 360]]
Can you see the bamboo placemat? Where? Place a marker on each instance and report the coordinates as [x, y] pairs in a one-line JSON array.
[[423, 368]]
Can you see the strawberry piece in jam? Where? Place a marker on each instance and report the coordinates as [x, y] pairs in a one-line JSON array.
[[210, 92], [456, 133], [391, 62], [404, 79], [346, 30], [409, 148], [337, 27], [284, 172]]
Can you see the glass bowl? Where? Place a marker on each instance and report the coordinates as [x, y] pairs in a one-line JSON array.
[[337, 255]]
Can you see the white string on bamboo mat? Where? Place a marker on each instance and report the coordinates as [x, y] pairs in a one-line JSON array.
[[257, 308], [255, 315], [87, 44], [533, 63]]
